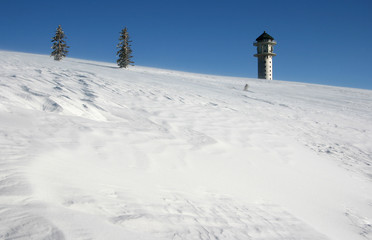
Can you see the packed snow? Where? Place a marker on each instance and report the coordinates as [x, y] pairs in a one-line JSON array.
[[91, 151]]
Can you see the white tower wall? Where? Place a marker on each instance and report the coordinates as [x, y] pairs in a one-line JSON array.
[[265, 67]]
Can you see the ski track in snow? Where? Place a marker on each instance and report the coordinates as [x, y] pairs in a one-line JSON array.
[[90, 151]]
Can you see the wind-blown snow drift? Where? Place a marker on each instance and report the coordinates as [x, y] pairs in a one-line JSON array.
[[90, 151]]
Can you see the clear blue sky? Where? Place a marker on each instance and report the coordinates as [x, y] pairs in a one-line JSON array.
[[319, 41]]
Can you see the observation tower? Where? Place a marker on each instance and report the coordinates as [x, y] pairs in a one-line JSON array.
[[265, 47]]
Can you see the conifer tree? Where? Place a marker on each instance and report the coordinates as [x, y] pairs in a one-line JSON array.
[[59, 45], [125, 51]]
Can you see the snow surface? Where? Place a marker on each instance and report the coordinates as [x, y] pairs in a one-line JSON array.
[[90, 151]]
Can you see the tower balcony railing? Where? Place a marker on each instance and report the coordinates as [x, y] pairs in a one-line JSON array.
[[265, 54]]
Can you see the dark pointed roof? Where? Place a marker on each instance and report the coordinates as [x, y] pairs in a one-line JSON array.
[[264, 36]]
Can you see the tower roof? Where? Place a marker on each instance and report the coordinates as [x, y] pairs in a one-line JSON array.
[[264, 36]]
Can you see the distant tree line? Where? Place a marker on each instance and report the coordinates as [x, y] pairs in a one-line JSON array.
[[60, 48]]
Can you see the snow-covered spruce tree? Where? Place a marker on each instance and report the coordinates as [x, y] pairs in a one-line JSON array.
[[124, 52], [59, 45]]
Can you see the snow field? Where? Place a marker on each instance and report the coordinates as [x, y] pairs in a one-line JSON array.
[[92, 151]]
